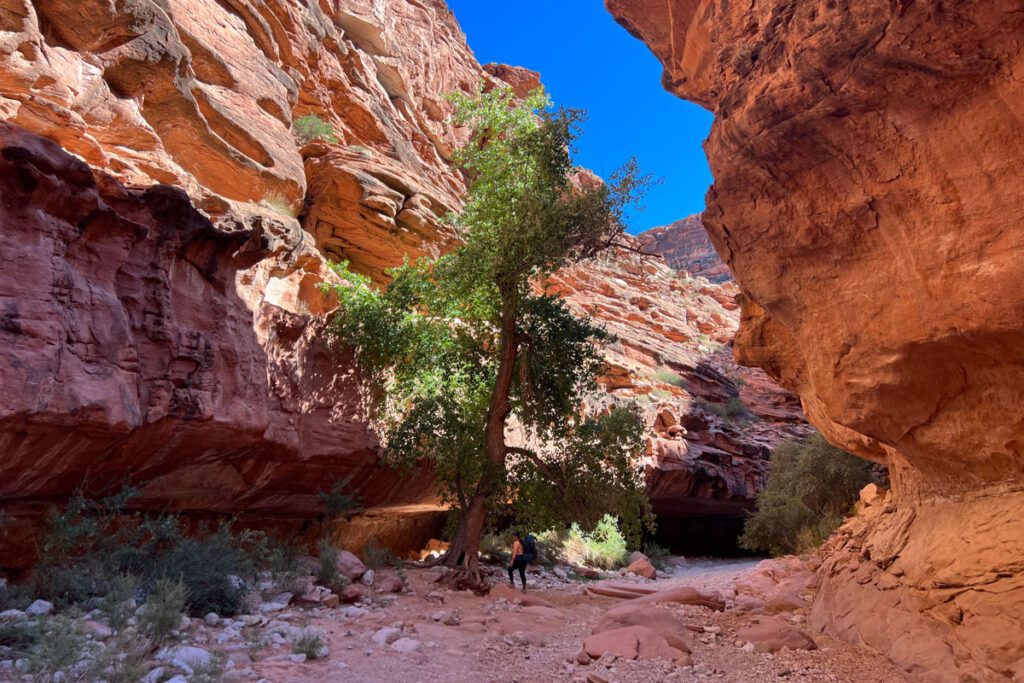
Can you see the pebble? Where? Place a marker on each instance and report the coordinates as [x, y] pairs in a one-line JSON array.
[[211, 619], [367, 578], [386, 635]]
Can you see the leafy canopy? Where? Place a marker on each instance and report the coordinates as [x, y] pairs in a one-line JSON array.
[[811, 486], [431, 342]]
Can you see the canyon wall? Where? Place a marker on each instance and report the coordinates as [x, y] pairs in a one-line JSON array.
[[158, 292], [686, 246], [868, 199]]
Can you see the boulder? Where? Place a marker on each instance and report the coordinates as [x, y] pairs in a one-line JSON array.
[[350, 566], [771, 634], [631, 642], [642, 567], [658, 620]]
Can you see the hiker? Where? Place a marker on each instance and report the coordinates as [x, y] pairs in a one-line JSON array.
[[524, 551]]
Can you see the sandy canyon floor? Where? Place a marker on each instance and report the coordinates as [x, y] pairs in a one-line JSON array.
[[476, 649]]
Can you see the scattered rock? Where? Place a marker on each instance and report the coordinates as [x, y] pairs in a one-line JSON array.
[[643, 567], [386, 635], [39, 608], [632, 642], [211, 619], [367, 578], [407, 645], [771, 634], [390, 584], [350, 566]]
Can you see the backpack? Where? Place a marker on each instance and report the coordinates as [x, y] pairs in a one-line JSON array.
[[529, 548]]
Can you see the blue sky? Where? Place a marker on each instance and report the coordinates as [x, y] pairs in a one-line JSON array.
[[587, 61]]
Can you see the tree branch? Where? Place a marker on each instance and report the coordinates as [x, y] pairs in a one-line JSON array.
[[540, 464]]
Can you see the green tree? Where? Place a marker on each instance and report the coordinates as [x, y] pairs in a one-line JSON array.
[[811, 486], [456, 347]]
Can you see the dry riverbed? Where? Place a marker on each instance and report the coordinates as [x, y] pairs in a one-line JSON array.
[[427, 633]]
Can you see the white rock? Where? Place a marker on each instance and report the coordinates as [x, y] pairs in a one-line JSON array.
[[368, 577], [39, 608], [355, 612], [269, 607], [438, 615], [187, 657], [12, 615], [407, 645], [387, 635], [749, 647], [211, 619], [177, 679], [154, 675], [560, 573]]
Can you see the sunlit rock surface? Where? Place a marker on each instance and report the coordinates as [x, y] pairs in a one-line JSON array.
[[868, 200]]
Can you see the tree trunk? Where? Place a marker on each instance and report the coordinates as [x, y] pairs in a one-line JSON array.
[[466, 544]]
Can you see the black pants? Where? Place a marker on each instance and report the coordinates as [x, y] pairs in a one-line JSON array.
[[520, 564]]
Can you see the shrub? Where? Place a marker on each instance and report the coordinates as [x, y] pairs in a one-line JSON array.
[[161, 614], [209, 568], [709, 407], [497, 546], [309, 643], [17, 638], [666, 376], [327, 572], [604, 547], [119, 603], [735, 408], [340, 501], [62, 646], [811, 486], [658, 555], [376, 556], [312, 127]]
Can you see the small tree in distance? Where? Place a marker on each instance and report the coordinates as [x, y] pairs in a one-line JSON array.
[[455, 347]]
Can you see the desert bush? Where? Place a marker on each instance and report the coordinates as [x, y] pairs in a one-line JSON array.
[[312, 127], [17, 638], [161, 614], [811, 486], [61, 647], [604, 547], [735, 408], [119, 603], [376, 556], [666, 376], [309, 643], [709, 407], [496, 546], [327, 571], [340, 501], [94, 554]]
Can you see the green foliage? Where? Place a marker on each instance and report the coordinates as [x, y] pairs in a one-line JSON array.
[[95, 552], [376, 556], [312, 127], [327, 568], [735, 408], [666, 376], [309, 643], [712, 408], [161, 614], [119, 603], [811, 486], [62, 646], [455, 342], [340, 501], [17, 637], [497, 546], [604, 547]]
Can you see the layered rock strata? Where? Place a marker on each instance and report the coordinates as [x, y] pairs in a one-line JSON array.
[[712, 422], [686, 246], [867, 198]]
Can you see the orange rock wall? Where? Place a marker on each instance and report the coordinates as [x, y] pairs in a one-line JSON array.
[[868, 198], [159, 288]]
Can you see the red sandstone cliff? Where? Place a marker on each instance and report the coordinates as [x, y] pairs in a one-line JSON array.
[[868, 200], [686, 246], [158, 292], [713, 423]]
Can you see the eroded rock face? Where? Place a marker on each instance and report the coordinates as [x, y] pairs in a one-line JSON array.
[[713, 423], [867, 197], [686, 246], [159, 292]]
